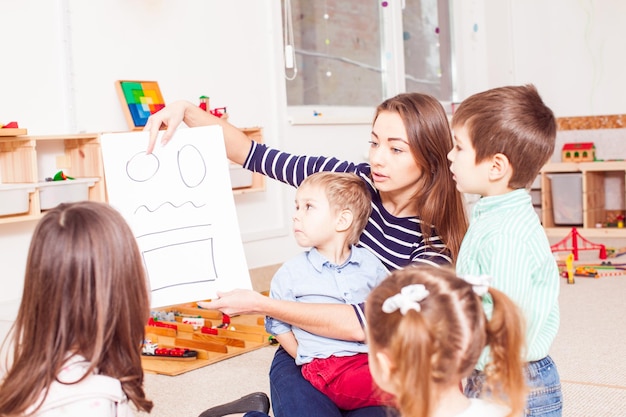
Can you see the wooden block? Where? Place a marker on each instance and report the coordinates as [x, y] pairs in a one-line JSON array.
[[246, 328], [219, 339], [251, 337], [161, 331], [195, 311], [151, 336], [202, 354], [13, 132], [195, 344], [185, 327]]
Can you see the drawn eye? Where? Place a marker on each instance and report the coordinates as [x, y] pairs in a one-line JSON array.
[[191, 166], [141, 167]]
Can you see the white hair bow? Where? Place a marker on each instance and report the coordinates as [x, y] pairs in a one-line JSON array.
[[480, 283], [407, 299]]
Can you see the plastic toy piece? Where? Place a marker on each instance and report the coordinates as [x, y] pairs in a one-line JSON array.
[[196, 322], [10, 125], [569, 262], [152, 350], [60, 176], [218, 111], [586, 271], [148, 347], [208, 330], [225, 322], [615, 252], [574, 236], [578, 152], [204, 103], [152, 322], [175, 352]]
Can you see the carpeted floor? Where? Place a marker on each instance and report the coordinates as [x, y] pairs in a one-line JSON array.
[[590, 352], [590, 349]]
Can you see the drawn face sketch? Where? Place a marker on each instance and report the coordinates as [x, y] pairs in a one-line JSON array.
[[179, 203]]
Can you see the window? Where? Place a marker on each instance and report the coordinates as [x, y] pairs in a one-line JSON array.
[[356, 54]]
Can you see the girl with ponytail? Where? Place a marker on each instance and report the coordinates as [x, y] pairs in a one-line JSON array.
[[426, 329]]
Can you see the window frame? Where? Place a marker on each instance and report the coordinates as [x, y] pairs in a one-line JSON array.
[[393, 71]]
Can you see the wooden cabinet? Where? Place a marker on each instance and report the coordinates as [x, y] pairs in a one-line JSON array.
[[594, 195], [25, 162], [258, 180], [21, 157]]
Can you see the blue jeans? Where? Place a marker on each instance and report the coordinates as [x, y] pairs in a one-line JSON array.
[[294, 396], [545, 398]]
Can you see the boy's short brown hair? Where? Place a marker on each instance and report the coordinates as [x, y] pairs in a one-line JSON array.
[[513, 121], [345, 190]]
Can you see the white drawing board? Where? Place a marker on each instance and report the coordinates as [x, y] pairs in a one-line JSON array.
[[179, 204]]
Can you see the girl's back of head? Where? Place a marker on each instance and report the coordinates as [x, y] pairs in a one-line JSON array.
[[85, 293], [438, 202], [435, 342]]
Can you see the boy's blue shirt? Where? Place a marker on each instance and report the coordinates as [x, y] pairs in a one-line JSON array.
[[505, 240], [311, 278]]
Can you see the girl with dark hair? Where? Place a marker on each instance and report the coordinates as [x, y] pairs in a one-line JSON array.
[[76, 342]]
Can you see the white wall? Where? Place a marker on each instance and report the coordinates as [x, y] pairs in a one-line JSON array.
[[65, 55], [571, 50]]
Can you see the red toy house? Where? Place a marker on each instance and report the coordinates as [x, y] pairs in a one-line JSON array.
[[579, 152]]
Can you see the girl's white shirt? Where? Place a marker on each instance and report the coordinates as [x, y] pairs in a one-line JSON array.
[[95, 396], [483, 408]]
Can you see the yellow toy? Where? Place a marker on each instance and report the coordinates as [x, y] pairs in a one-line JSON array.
[[569, 264]]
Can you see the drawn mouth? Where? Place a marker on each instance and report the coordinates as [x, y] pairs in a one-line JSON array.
[[166, 204]]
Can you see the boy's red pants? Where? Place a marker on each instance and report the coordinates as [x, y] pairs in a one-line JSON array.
[[347, 381]]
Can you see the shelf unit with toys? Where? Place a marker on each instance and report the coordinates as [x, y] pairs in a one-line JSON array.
[[26, 160], [21, 157], [602, 182]]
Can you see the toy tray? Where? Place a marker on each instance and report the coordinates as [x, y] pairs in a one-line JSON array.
[[245, 333]]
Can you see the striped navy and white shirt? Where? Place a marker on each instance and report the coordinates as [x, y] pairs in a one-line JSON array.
[[396, 241]]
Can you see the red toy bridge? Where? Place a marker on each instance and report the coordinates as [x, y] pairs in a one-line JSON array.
[[572, 243]]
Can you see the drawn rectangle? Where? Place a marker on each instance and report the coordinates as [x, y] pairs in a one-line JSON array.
[[179, 203]]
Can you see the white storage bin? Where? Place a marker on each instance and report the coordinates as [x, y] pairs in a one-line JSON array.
[[53, 193], [567, 198], [239, 176], [15, 198]]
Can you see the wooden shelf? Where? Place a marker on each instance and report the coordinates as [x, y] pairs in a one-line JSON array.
[[13, 132], [588, 232], [258, 180], [80, 156], [593, 197]]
